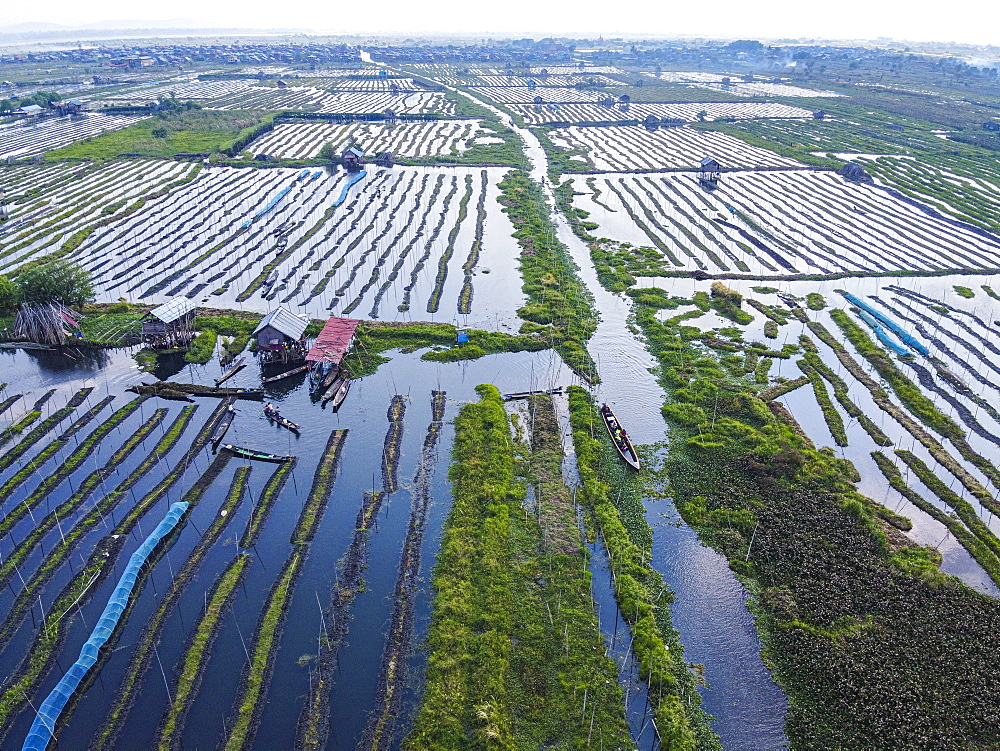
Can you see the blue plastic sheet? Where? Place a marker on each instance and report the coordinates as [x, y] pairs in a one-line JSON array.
[[48, 713], [350, 183], [904, 335]]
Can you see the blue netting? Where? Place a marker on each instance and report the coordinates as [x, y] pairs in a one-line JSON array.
[[884, 337], [350, 183], [890, 324], [45, 719]]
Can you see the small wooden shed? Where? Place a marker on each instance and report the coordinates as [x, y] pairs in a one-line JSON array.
[[384, 159], [352, 159], [709, 172], [280, 336], [170, 325], [991, 125]]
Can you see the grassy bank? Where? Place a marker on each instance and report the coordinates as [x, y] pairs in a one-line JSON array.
[[559, 304]]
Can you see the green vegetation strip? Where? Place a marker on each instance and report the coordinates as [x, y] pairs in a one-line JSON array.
[[643, 597], [319, 494], [50, 638], [143, 655], [834, 422], [86, 488], [257, 672], [849, 610], [373, 338], [67, 466], [984, 554], [915, 401], [272, 489], [814, 361], [195, 660], [557, 299], [36, 434], [516, 659]]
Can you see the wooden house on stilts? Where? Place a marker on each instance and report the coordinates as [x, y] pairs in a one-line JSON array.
[[709, 172], [170, 325], [280, 337]]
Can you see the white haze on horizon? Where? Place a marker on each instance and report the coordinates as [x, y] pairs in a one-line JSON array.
[[973, 22]]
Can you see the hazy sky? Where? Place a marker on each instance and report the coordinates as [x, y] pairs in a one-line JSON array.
[[975, 21]]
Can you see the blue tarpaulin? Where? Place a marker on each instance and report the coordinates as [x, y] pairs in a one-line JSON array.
[[48, 713], [890, 324], [350, 183]]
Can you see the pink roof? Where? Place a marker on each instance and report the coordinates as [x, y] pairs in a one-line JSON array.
[[333, 340]]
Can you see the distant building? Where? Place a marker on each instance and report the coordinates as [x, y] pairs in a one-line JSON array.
[[538, 100], [992, 126], [282, 84], [819, 115], [652, 122], [384, 159], [624, 99], [32, 110], [352, 159]]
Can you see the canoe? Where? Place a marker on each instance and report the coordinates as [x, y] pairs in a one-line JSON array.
[[233, 370], [259, 456], [619, 437], [341, 393], [328, 380], [526, 394], [334, 387], [286, 374], [282, 421], [223, 426]]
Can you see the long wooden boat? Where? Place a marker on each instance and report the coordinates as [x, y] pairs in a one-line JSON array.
[[286, 374], [526, 394], [334, 387], [619, 437], [223, 427], [282, 421], [233, 370], [341, 393], [259, 456]]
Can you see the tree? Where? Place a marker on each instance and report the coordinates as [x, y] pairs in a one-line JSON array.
[[10, 294], [329, 151], [57, 281]]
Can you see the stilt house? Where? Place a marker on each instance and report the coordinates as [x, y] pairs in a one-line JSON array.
[[280, 336], [353, 159], [709, 172], [170, 325]]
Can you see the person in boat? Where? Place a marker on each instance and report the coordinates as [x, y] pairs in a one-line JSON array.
[[270, 411]]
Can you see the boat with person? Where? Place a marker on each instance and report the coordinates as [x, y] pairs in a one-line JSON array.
[[619, 437], [223, 427], [272, 413], [259, 456]]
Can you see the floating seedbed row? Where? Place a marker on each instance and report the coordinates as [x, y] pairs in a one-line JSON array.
[[767, 89], [79, 199], [404, 238], [540, 114], [627, 148], [782, 223], [29, 138], [527, 94], [542, 82], [403, 140]]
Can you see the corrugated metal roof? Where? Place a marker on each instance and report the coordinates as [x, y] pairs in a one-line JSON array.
[[176, 308], [286, 322], [333, 340]]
